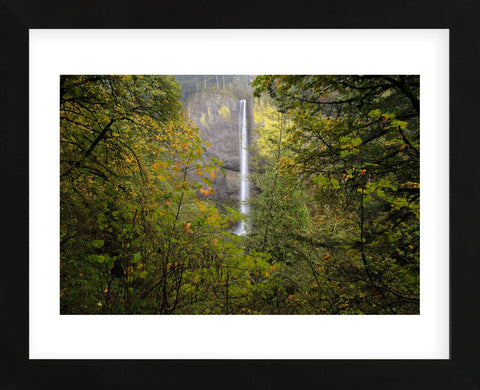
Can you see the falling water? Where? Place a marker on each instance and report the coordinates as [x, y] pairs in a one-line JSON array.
[[244, 185]]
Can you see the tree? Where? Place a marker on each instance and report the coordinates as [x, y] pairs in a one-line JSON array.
[[355, 139], [279, 209], [135, 235]]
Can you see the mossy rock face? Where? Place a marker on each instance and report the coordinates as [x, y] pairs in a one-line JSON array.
[[216, 115]]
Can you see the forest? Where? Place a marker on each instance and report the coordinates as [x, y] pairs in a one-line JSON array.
[[149, 203]]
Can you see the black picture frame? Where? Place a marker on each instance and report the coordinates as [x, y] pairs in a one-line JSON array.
[[17, 371]]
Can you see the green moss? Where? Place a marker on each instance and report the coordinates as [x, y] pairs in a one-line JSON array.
[[225, 112], [203, 121]]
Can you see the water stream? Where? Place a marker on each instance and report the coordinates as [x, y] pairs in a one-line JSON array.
[[244, 184]]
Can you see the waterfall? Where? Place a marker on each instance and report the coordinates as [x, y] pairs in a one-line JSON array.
[[244, 185]]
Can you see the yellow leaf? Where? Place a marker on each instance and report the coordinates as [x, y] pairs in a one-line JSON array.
[[204, 192]]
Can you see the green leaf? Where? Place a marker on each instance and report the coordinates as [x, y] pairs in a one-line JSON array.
[[98, 243], [401, 124], [137, 257], [356, 141], [96, 259]]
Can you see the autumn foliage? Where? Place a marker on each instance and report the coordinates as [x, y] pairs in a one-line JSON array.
[[334, 228]]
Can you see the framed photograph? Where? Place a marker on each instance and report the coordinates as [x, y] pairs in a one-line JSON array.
[[108, 324]]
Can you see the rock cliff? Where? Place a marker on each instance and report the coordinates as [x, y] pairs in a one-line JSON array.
[[216, 114]]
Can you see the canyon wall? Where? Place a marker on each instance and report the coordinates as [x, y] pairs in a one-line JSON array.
[[216, 113]]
